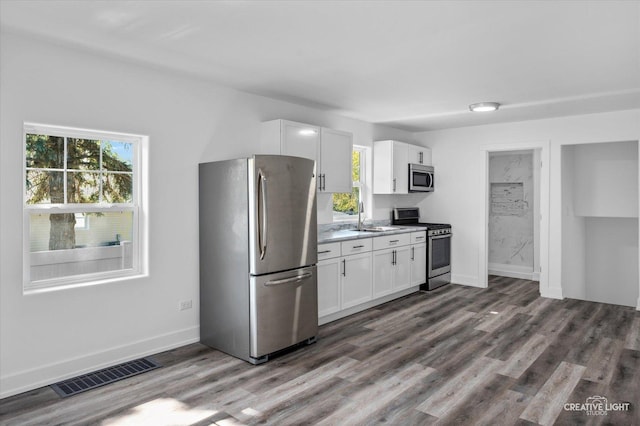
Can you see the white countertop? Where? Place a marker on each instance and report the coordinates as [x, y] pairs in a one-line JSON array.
[[352, 234]]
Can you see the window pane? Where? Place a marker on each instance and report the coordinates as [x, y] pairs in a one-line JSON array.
[[58, 249], [117, 188], [346, 204], [44, 187], [83, 187], [117, 156], [355, 161], [45, 152], [83, 154]]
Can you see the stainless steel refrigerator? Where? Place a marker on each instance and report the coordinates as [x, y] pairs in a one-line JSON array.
[[258, 239]]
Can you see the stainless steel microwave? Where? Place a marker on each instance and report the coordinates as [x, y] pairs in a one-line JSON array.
[[420, 178]]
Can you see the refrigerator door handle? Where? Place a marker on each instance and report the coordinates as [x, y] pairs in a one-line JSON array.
[[294, 279], [262, 213]]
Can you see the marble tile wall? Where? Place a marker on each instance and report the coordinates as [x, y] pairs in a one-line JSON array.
[[511, 227]]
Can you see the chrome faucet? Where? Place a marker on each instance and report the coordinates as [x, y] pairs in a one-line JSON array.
[[360, 218]]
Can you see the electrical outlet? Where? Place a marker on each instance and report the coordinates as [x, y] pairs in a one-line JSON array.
[[184, 305]]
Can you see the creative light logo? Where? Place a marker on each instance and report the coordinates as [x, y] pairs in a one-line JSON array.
[[597, 406]]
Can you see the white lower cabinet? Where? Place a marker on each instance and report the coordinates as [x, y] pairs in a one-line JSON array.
[[382, 272], [358, 274], [356, 279], [343, 281], [402, 271], [329, 286], [418, 258], [391, 270], [418, 264]]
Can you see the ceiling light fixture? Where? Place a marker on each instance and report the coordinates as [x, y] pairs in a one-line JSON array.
[[484, 107]]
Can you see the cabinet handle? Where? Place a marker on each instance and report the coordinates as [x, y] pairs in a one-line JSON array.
[[393, 241], [419, 238], [360, 246], [324, 251], [344, 268], [324, 182], [421, 157], [413, 253], [394, 184], [393, 257]]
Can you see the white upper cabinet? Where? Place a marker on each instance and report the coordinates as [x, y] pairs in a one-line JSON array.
[[390, 167], [335, 160], [419, 155], [331, 149], [300, 140]]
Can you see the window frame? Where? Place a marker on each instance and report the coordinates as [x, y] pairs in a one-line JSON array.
[[355, 184], [138, 232]]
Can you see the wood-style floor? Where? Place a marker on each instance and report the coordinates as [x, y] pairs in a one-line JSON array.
[[457, 355]]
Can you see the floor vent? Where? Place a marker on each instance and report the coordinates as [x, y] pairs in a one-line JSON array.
[[104, 377]]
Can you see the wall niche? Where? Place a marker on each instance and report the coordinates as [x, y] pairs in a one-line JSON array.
[[600, 222]]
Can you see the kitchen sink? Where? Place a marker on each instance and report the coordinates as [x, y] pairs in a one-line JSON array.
[[379, 228]]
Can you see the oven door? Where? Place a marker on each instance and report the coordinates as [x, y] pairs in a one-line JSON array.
[[439, 258], [420, 178]]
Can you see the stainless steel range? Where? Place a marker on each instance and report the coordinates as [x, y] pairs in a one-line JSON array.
[[438, 246]]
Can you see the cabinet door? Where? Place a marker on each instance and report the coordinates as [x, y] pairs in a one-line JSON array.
[[402, 268], [383, 272], [390, 167], [419, 155], [382, 167], [416, 154], [356, 279], [336, 149], [400, 182], [418, 264], [300, 140], [329, 286]]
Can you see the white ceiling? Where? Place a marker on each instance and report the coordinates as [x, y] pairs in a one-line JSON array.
[[414, 65]]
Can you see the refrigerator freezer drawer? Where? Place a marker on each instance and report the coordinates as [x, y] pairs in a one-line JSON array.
[[283, 310]]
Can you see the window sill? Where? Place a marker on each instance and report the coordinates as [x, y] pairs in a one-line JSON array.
[[48, 286]]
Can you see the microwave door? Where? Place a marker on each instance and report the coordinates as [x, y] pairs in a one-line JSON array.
[[419, 181]]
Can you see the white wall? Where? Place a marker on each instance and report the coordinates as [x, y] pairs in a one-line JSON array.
[[606, 179], [611, 267], [573, 233], [49, 336], [459, 166]]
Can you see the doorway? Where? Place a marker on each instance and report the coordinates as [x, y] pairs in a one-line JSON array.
[[537, 207], [514, 199]]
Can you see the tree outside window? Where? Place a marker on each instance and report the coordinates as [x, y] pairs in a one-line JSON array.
[[345, 205]]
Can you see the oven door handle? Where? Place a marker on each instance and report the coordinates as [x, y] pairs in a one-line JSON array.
[[439, 237]]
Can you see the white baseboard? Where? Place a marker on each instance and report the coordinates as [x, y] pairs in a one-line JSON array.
[[513, 271], [45, 375], [552, 293], [469, 280]]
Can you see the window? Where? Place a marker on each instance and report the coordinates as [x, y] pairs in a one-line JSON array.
[[82, 221], [81, 206], [345, 205]]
